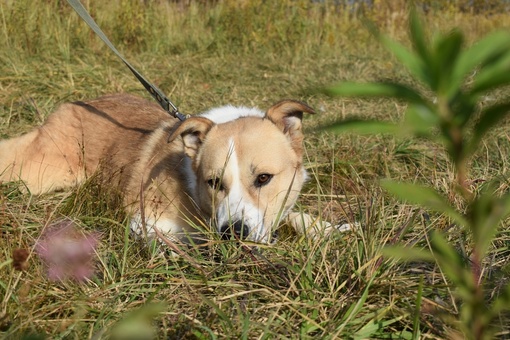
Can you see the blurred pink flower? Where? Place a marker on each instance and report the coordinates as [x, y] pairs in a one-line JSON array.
[[67, 252]]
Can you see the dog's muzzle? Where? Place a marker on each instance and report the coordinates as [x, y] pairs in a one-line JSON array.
[[238, 230]]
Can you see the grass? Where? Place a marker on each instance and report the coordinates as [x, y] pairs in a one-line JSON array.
[[249, 53]]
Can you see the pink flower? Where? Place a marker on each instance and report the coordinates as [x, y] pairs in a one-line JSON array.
[[67, 251]]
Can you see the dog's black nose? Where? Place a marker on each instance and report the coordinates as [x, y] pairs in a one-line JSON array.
[[237, 229]]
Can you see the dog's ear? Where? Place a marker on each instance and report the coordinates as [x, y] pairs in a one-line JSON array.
[[287, 115], [192, 132]]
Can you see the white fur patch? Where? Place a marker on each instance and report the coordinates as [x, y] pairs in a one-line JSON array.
[[228, 113], [235, 207]]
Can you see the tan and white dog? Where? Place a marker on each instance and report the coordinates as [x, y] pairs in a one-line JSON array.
[[236, 168]]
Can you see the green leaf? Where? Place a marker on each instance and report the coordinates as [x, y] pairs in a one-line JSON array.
[[425, 197], [464, 108], [391, 90], [480, 53], [407, 254], [418, 36], [493, 75], [363, 127], [489, 118], [487, 212], [446, 52], [420, 120], [416, 66], [138, 324]]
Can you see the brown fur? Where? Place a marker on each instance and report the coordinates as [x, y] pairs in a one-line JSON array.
[[76, 138]]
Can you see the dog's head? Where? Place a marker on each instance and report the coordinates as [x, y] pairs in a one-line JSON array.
[[249, 170]]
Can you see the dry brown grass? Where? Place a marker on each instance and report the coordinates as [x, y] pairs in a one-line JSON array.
[[254, 53]]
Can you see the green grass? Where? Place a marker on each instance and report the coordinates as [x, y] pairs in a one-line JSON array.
[[249, 53]]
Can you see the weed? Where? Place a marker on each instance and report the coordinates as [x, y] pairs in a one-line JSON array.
[[456, 118]]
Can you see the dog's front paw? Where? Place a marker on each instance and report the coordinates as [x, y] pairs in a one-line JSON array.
[[304, 224]]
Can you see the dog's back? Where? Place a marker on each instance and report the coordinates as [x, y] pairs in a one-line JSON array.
[[78, 136]]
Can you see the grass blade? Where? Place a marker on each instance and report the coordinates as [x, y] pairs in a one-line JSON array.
[[417, 312]]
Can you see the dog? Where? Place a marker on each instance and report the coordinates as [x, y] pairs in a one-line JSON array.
[[238, 169]]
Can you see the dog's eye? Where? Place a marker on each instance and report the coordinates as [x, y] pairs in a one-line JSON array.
[[262, 180], [215, 184]]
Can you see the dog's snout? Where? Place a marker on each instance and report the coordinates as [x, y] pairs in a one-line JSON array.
[[237, 229]]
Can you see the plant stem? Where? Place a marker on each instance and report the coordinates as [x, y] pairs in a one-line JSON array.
[[462, 181]]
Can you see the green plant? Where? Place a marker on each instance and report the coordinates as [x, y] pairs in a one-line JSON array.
[[451, 111]]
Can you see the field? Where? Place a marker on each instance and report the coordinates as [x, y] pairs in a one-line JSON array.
[[254, 52]]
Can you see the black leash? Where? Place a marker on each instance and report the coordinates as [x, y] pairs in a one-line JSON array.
[[165, 103]]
